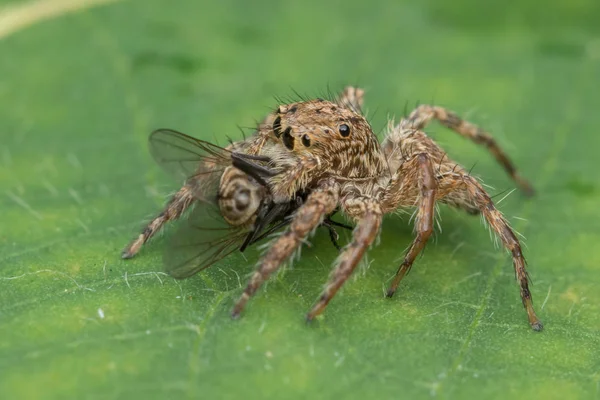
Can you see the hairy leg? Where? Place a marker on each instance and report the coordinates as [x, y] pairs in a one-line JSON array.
[[419, 167], [319, 203], [499, 224], [468, 193], [423, 114], [352, 98], [173, 210], [364, 234]]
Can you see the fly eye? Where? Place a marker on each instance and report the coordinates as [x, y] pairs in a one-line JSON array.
[[344, 130]]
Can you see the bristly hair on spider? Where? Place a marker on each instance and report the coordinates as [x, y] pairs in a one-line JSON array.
[[310, 158]]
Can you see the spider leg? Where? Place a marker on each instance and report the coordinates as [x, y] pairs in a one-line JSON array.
[[364, 234], [338, 224], [473, 194], [423, 114], [333, 235], [319, 203], [351, 98], [421, 166], [176, 206]]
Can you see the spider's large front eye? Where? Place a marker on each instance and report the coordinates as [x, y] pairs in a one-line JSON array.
[[344, 130], [288, 139]]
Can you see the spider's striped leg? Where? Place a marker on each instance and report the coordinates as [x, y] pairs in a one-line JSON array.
[[473, 195], [423, 114], [176, 206], [400, 192], [364, 234], [309, 216]]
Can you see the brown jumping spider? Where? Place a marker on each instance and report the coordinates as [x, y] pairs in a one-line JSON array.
[[309, 159]]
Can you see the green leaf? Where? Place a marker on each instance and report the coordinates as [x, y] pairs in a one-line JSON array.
[[79, 94]]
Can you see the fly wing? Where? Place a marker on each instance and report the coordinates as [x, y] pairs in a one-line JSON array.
[[205, 237], [202, 240], [192, 160]]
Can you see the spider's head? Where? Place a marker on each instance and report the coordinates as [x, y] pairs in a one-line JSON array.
[[333, 133]]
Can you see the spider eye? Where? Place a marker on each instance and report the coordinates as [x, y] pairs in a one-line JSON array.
[[344, 130], [306, 140], [277, 126], [288, 139]]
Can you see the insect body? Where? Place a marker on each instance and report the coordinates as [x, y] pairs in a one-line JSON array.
[[233, 206], [239, 197], [326, 151]]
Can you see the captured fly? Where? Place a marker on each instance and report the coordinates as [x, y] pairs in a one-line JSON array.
[[225, 189]]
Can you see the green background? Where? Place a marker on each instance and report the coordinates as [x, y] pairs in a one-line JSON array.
[[79, 95]]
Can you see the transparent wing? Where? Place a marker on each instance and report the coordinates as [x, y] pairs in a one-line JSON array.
[[203, 239], [195, 161]]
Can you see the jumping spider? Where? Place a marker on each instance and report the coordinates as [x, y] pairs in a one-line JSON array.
[[327, 151]]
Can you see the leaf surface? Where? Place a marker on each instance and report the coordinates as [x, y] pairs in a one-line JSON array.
[[79, 94]]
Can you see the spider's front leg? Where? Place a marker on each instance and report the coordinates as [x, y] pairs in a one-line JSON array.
[[321, 202], [369, 215], [176, 206], [402, 191]]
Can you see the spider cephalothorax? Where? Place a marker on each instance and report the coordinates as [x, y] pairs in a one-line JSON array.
[[328, 150], [340, 137], [315, 139]]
